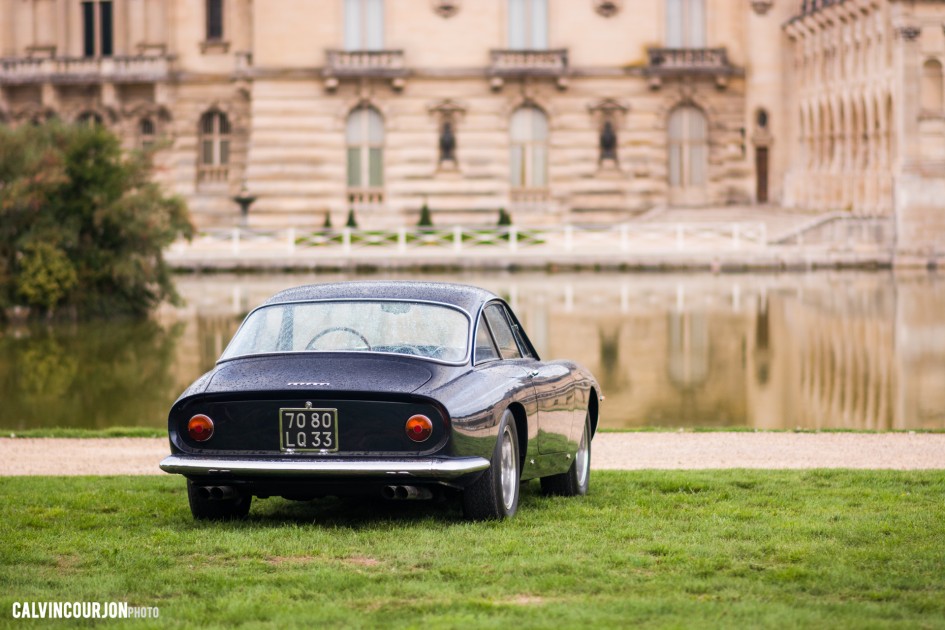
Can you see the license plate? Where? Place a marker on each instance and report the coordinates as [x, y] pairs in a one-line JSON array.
[[308, 429]]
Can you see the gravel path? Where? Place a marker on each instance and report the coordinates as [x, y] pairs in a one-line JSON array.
[[620, 451]]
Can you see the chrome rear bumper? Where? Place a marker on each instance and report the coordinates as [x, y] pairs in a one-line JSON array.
[[391, 468]]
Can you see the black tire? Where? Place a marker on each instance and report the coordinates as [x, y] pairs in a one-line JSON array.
[[575, 482], [204, 508], [494, 495]]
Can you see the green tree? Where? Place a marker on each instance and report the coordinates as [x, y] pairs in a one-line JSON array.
[[82, 225]]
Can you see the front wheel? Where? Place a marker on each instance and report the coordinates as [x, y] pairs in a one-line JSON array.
[[576, 480], [494, 495]]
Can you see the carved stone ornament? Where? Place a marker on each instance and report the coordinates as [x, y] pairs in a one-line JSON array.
[[607, 8], [761, 6], [909, 33], [446, 8]]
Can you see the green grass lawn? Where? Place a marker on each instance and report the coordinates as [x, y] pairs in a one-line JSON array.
[[684, 549]]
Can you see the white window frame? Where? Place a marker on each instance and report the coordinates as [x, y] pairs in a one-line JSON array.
[[220, 137], [528, 155], [688, 154], [363, 25], [686, 23], [364, 138], [528, 24]]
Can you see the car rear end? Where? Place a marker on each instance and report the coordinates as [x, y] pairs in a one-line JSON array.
[[303, 446]]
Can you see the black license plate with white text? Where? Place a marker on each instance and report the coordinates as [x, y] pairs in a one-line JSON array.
[[308, 429]]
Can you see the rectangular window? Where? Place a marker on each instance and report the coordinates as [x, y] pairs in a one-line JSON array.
[[528, 24], [88, 29], [354, 168], [374, 28], [376, 167], [364, 24], [517, 20], [685, 24], [214, 20], [539, 25], [517, 167], [539, 167], [105, 9], [206, 152]]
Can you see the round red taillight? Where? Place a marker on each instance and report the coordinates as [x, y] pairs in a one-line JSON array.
[[200, 428], [419, 428]]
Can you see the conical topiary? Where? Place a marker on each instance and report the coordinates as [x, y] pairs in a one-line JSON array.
[[352, 222], [425, 219], [327, 223]]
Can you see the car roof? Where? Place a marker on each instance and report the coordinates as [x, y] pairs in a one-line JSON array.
[[466, 297]]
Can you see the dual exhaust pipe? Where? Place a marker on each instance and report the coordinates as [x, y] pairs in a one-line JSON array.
[[406, 493], [217, 493]]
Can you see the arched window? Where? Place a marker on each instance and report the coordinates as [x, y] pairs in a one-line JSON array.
[[146, 133], [932, 86], [89, 119], [685, 24], [688, 149], [365, 138], [529, 156], [364, 24], [528, 24], [214, 146]]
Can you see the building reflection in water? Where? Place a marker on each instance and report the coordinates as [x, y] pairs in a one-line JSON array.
[[816, 351], [823, 350]]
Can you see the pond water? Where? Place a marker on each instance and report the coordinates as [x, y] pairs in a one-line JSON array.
[[850, 350]]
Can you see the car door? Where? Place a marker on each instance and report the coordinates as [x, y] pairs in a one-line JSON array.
[[552, 382]]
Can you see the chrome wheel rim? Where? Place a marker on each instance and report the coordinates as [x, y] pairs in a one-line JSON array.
[[509, 467], [582, 459]]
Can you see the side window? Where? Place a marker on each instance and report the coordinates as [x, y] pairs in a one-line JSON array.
[[485, 349], [503, 332], [517, 331]]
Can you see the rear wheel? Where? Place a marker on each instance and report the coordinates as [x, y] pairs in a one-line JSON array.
[[494, 495], [205, 508], [576, 480]]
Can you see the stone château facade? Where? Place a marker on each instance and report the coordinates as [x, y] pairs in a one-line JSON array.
[[582, 111]]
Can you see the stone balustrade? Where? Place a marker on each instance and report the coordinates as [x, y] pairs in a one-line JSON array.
[[365, 63], [687, 60], [514, 63], [85, 69]]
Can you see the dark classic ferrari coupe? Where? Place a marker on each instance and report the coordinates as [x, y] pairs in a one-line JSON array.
[[401, 390]]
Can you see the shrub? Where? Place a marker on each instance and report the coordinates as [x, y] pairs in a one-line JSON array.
[[327, 224], [351, 222], [504, 218], [81, 223]]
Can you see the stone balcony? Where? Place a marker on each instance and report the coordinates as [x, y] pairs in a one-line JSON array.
[[85, 70], [675, 62], [515, 64], [369, 64]]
